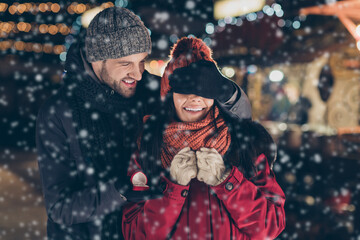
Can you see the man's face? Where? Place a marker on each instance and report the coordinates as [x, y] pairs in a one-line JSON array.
[[121, 74]]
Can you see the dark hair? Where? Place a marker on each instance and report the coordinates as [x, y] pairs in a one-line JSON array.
[[249, 139]]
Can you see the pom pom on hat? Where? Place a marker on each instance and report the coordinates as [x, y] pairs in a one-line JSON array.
[[184, 52]]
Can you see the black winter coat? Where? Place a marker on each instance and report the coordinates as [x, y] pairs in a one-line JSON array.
[[77, 200]]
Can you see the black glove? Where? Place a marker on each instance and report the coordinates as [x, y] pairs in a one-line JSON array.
[[202, 78], [138, 196]]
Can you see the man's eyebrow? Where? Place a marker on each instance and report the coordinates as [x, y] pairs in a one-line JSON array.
[[123, 61]]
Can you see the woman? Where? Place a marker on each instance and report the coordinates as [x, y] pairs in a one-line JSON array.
[[217, 179]]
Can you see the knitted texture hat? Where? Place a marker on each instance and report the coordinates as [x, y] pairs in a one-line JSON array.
[[114, 33], [184, 52]]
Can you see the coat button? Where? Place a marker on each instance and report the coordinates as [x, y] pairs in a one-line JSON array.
[[229, 186], [112, 92], [184, 193]]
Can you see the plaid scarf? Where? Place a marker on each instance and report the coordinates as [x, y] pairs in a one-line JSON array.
[[203, 133]]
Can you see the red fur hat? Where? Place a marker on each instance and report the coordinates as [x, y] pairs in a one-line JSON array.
[[185, 51]]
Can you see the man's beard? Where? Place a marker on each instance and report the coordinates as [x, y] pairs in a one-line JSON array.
[[116, 85]]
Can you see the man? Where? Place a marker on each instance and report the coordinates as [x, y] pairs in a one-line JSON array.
[[87, 131]]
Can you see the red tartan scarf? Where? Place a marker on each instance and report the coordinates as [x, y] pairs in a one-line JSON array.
[[195, 135]]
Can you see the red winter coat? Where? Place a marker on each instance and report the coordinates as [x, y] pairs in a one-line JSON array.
[[238, 208]]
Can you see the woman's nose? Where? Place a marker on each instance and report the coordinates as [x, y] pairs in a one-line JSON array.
[[194, 97]]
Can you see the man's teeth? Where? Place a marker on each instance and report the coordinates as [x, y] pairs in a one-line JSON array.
[[194, 109], [129, 81]]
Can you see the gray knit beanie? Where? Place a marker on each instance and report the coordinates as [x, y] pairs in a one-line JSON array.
[[114, 33]]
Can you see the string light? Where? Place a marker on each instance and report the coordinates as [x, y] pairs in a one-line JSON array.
[[7, 27], [55, 8], [47, 48], [32, 47], [37, 47], [34, 8], [43, 28], [53, 29], [43, 7], [20, 45], [3, 7]]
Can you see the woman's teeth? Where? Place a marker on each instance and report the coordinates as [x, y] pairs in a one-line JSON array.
[[194, 109]]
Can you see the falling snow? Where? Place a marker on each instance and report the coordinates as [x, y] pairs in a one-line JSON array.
[[316, 167]]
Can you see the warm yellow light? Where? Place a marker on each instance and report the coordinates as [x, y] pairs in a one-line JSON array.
[[310, 200], [235, 8], [351, 208], [21, 26], [154, 64], [55, 7], [107, 5], [43, 28], [20, 45], [43, 7], [290, 178], [12, 9], [3, 26], [59, 49], [8, 26], [28, 47], [34, 8], [5, 45], [37, 47], [28, 27], [47, 48], [28, 7], [53, 29], [63, 29], [3, 7], [308, 180], [70, 9], [80, 8], [21, 8]]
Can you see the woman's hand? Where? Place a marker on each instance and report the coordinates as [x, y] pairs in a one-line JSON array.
[[211, 167], [183, 167]]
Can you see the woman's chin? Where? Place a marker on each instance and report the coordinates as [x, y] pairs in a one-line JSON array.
[[194, 117]]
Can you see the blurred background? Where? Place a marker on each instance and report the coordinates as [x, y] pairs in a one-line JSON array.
[[298, 61]]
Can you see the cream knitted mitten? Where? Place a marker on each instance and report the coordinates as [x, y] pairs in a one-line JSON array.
[[211, 167], [183, 167]]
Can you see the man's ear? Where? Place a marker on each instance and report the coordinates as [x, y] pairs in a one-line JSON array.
[[97, 66]]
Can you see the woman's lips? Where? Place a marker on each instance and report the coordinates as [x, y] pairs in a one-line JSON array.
[[193, 109]]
